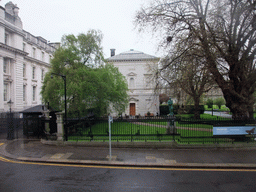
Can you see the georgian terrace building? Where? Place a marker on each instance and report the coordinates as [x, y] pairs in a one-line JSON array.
[[24, 60]]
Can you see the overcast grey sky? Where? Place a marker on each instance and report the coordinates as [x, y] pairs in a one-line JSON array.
[[53, 18]]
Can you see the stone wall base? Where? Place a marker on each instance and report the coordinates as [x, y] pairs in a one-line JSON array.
[[152, 145]]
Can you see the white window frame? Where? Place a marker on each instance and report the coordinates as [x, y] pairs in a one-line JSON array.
[[6, 66], [24, 92], [6, 38], [5, 91], [33, 93], [33, 52], [24, 70], [33, 72], [42, 74], [43, 55], [24, 47], [132, 83]]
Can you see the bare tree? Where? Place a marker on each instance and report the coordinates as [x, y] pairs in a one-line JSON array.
[[189, 72], [224, 31]]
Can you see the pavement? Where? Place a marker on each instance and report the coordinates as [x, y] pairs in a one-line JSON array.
[[230, 156], [219, 113], [33, 150]]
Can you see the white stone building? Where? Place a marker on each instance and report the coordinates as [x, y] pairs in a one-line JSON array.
[[138, 69], [24, 60]]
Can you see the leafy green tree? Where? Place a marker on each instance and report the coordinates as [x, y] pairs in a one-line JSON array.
[[209, 103], [219, 102], [91, 85], [224, 31]]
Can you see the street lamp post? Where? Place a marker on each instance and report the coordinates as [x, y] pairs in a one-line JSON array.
[[10, 135], [65, 89], [212, 107], [10, 105]]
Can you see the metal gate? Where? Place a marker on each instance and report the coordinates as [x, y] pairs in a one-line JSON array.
[[11, 126], [33, 126]]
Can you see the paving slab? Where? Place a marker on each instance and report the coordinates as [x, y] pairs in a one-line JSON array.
[[36, 151]]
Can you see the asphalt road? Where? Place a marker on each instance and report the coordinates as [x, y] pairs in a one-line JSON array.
[[26, 177]]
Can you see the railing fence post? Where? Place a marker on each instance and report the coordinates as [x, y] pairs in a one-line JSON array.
[[60, 126]]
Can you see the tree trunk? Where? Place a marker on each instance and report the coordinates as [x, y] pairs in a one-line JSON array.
[[241, 107], [238, 90], [197, 109], [238, 94]]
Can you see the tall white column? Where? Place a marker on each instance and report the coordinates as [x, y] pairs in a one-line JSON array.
[[18, 83], [1, 84]]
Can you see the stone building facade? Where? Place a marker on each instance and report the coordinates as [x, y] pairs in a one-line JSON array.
[[138, 69], [24, 60]]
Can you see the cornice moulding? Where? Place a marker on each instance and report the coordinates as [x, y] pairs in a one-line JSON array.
[[7, 47]]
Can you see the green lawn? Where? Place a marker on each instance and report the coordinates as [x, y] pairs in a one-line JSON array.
[[123, 128], [189, 116], [202, 116], [153, 130], [183, 125], [123, 131]]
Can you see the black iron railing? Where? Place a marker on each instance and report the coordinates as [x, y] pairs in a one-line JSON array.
[[153, 129]]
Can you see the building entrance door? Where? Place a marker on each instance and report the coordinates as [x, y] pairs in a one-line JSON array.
[[132, 109]]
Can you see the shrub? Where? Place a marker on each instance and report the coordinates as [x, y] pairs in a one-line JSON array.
[[209, 103], [219, 101], [164, 109], [187, 109], [190, 109]]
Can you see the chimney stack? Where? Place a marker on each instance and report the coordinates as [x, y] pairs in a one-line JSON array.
[[112, 52]]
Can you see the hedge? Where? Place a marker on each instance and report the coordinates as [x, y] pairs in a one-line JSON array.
[[186, 109]]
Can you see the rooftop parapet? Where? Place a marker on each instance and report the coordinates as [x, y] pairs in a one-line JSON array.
[[38, 41]]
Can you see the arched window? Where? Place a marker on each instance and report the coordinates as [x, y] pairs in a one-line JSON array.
[[132, 85]]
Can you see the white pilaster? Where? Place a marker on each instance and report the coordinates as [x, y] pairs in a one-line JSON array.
[[1, 84], [60, 126]]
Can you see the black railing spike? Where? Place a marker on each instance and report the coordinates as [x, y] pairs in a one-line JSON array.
[[188, 129]]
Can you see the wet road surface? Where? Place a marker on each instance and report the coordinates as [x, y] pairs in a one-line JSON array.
[[26, 177]]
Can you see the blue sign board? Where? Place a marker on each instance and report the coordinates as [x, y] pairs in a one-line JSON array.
[[235, 130]]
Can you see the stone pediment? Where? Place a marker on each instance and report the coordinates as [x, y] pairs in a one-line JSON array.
[[132, 74], [133, 99]]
